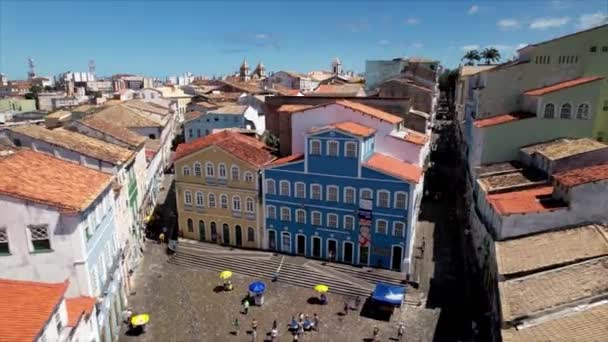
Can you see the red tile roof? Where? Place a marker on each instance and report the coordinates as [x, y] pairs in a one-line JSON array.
[[288, 159], [44, 179], [117, 132], [246, 148], [77, 307], [287, 108], [562, 85], [394, 167], [27, 307], [354, 128], [582, 176], [416, 138], [500, 119], [376, 113], [525, 201]]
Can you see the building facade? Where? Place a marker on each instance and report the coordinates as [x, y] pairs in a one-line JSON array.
[[239, 116]]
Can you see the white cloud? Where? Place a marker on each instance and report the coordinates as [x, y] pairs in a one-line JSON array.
[[508, 24], [417, 45], [412, 21], [474, 9], [546, 23], [470, 47], [590, 20]]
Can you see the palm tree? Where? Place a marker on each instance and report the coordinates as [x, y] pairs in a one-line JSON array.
[[471, 57], [490, 55]]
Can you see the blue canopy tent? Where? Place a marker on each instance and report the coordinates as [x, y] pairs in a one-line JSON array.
[[257, 287], [388, 294]]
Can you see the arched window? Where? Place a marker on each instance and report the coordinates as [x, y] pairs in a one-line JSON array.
[[271, 212], [284, 188], [315, 147], [210, 169], [249, 205], [400, 200], [197, 169], [186, 171], [366, 194], [285, 214], [270, 187], [223, 201], [211, 200], [300, 216], [349, 195], [250, 234], [350, 149], [332, 220], [333, 148], [332, 193], [235, 173], [315, 192], [383, 199], [300, 190], [248, 177], [349, 222], [315, 218], [549, 112], [221, 170], [190, 225], [236, 203], [187, 197], [381, 226], [199, 199], [583, 111], [566, 111]]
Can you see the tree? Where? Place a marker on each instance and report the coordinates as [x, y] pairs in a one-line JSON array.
[[272, 141], [447, 83], [490, 55], [471, 57]]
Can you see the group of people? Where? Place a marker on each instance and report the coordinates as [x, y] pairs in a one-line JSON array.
[[302, 324]]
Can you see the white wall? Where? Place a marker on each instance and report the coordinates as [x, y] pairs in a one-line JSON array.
[[259, 121]]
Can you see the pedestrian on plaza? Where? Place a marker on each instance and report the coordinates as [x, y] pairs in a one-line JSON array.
[[375, 334], [301, 317], [316, 320], [274, 334], [246, 306], [161, 238], [400, 331], [254, 325], [274, 324], [345, 308], [236, 326], [254, 336], [301, 329]]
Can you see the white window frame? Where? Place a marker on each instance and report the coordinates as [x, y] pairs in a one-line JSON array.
[[311, 150], [303, 212], [200, 196], [249, 201], [248, 177], [337, 219], [351, 143], [395, 228], [337, 191], [397, 193], [362, 191], [221, 171], [288, 211], [274, 212], [388, 198], [186, 171], [354, 190], [271, 190], [188, 197], [198, 169], [224, 201], [572, 114], [345, 226], [312, 218], [312, 186], [236, 202], [302, 189], [209, 166], [378, 224], [211, 200], [328, 144], [238, 173], [281, 192]]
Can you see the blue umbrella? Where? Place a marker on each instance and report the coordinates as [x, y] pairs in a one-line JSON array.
[[257, 287]]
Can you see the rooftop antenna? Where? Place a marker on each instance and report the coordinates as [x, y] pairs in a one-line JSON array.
[[31, 72], [92, 66]]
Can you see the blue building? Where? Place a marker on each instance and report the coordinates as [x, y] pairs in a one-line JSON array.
[[342, 200], [221, 118]]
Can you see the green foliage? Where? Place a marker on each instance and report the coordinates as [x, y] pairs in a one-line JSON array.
[[272, 141], [471, 56], [490, 55]]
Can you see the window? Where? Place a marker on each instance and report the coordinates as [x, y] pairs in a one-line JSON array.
[[87, 233], [197, 169], [366, 194], [593, 49], [199, 199], [383, 201], [211, 200], [316, 218], [4, 247], [398, 228], [210, 169], [583, 111], [270, 187], [250, 234], [300, 216], [566, 111], [271, 212], [315, 192], [190, 225], [315, 147], [381, 227], [223, 201], [400, 200], [300, 190], [236, 203], [39, 235], [248, 177], [349, 222], [349, 195], [549, 112], [187, 197], [350, 149], [604, 48], [249, 205], [221, 170], [332, 193], [332, 220], [58, 323], [285, 214], [94, 280], [332, 148], [235, 173], [284, 188], [186, 171]]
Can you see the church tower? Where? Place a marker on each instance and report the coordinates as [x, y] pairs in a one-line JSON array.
[[244, 71], [336, 66]]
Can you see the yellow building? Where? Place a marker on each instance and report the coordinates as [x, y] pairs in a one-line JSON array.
[[217, 183]]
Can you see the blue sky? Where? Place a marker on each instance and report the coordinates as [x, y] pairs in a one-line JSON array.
[[161, 38]]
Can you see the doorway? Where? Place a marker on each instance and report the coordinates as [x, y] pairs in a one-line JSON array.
[[332, 249], [285, 242], [225, 234], [213, 232], [272, 240], [201, 230], [364, 255], [396, 257], [347, 252], [316, 247], [300, 244], [238, 235]]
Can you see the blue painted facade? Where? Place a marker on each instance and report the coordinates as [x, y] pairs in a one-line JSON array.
[[206, 123], [387, 249]]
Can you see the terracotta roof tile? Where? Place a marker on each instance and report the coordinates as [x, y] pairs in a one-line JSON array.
[[288, 159], [234, 109], [44, 179], [416, 138], [582, 176], [354, 128], [338, 89], [27, 307], [192, 115], [146, 106], [125, 116], [80, 143], [501, 119], [562, 148], [287, 108], [377, 113], [394, 167], [77, 307], [246, 148], [562, 85], [117, 132], [533, 200]]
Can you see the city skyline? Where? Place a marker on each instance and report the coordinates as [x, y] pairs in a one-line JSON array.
[[169, 40]]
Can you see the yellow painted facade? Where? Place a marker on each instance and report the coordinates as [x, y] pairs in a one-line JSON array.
[[218, 198]]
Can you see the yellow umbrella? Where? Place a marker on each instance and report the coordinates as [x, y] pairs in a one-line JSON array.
[[140, 319], [321, 288], [225, 274]]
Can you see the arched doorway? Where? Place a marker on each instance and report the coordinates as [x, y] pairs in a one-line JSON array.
[[238, 235], [213, 232], [225, 234], [396, 257], [316, 247], [347, 252], [201, 231], [272, 240]]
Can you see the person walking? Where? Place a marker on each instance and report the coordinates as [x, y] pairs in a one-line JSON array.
[[400, 331], [375, 334], [236, 326], [254, 325], [274, 324], [316, 320], [254, 336], [246, 306], [161, 238], [345, 308]]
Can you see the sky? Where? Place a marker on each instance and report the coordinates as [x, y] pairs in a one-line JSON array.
[[162, 38]]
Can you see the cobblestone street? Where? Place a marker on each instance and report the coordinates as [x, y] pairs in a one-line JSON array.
[[184, 307]]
